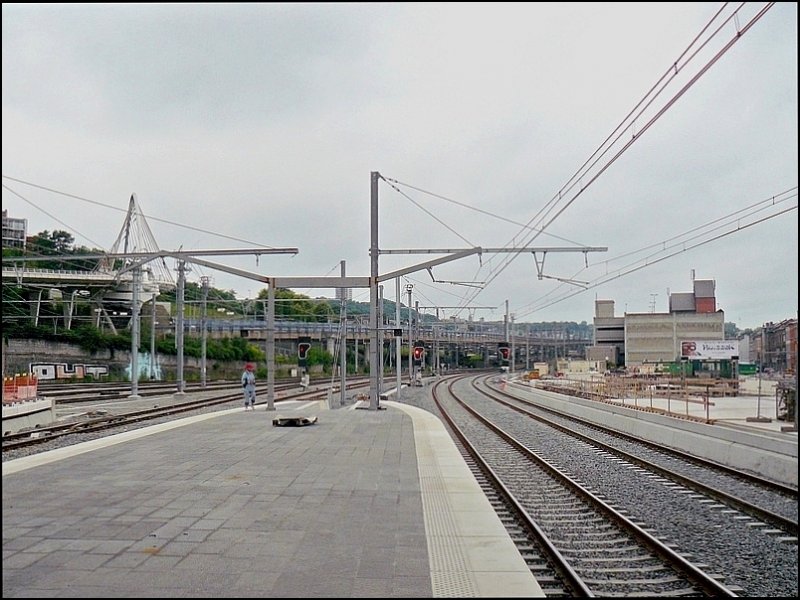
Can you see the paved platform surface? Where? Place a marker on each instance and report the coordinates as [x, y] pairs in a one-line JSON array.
[[360, 504]]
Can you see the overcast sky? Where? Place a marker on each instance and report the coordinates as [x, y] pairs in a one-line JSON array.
[[631, 127]]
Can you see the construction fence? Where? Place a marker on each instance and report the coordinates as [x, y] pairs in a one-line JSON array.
[[18, 388]]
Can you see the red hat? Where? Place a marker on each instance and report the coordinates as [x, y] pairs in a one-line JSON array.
[[250, 366]]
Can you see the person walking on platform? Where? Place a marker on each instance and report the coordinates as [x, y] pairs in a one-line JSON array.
[[249, 386]]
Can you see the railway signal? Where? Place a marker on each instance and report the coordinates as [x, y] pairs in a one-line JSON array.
[[505, 352], [303, 346], [419, 352]]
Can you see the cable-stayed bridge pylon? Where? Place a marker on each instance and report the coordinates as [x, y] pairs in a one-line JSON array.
[[136, 236]]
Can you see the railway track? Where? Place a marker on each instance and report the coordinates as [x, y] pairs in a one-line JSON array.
[[763, 499], [592, 548], [748, 558], [78, 393]]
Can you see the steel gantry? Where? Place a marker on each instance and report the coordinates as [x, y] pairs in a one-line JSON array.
[[373, 281], [452, 254]]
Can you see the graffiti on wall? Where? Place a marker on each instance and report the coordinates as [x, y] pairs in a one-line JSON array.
[[50, 371], [54, 371], [147, 369]]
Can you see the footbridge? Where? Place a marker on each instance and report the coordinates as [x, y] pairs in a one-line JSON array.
[[108, 287]]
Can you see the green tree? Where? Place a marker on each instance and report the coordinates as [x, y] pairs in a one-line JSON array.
[[318, 356], [298, 307]]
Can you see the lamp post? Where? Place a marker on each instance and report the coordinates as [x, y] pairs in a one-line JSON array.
[[796, 381], [513, 348], [69, 308], [758, 418], [528, 347], [409, 287], [398, 342], [343, 341], [153, 337], [684, 361], [204, 332], [135, 334]]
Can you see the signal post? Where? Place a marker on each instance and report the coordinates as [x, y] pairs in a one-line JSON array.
[[418, 360], [303, 346]]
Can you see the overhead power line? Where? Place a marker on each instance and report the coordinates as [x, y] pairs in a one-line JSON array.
[[147, 216], [625, 134], [586, 176], [690, 240]]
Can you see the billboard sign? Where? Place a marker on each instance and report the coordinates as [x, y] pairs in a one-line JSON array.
[[710, 349]]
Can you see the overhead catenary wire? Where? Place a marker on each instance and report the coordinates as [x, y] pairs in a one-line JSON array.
[[429, 213], [149, 217], [476, 209], [592, 168], [516, 242], [71, 229], [690, 243], [56, 219], [584, 172]]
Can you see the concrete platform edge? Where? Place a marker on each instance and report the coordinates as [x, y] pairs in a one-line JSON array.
[[471, 553]]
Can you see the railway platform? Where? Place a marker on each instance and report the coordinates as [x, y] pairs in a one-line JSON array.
[[357, 504]]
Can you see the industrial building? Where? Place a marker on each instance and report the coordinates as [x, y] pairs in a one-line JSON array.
[[644, 340]]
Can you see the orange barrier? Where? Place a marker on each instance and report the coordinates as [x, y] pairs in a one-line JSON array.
[[20, 387]]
